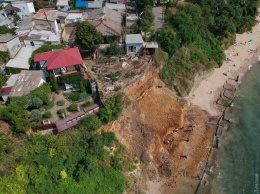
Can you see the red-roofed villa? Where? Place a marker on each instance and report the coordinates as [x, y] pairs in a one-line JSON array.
[[60, 62]]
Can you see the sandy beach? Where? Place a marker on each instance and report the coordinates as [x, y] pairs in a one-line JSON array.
[[239, 57]]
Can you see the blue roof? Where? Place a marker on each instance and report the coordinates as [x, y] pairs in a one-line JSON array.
[[81, 3]]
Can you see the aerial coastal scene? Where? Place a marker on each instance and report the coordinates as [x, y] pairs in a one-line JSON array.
[[130, 96]]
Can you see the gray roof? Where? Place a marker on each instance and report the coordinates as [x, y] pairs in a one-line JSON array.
[[11, 81], [21, 59], [26, 82], [134, 39], [116, 6], [7, 37], [107, 21]]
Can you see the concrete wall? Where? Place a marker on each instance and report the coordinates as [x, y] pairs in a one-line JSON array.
[[139, 48], [37, 43], [13, 47]]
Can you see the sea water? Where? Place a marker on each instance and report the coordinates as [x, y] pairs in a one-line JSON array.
[[238, 157]]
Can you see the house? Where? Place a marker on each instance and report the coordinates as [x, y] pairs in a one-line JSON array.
[[26, 8], [10, 10], [4, 21], [89, 4], [60, 62], [117, 7], [36, 38], [22, 83], [51, 19], [21, 59], [134, 43], [74, 18], [62, 5], [10, 43], [106, 21]]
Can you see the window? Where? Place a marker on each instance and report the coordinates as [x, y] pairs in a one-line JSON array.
[[132, 49], [32, 43]]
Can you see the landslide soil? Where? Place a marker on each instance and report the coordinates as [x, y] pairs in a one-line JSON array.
[[144, 127]]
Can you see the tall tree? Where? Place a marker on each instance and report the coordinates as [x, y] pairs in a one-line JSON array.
[[141, 4], [54, 83], [87, 36]]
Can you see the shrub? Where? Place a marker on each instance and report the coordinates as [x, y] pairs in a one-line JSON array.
[[74, 96], [91, 123], [82, 87], [73, 107], [60, 102], [36, 115], [35, 102], [60, 111], [47, 114], [83, 96], [88, 103]]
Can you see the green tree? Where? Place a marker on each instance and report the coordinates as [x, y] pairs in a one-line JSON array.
[[16, 17], [5, 30], [168, 39], [87, 36], [147, 18], [82, 87], [3, 79], [35, 102], [4, 56], [105, 115], [73, 79], [36, 115], [54, 83], [92, 123], [160, 57], [113, 49], [141, 4]]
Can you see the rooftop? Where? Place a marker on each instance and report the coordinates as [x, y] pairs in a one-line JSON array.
[[7, 37], [133, 39], [26, 82], [106, 20], [50, 14], [43, 35], [116, 6], [11, 8], [21, 59], [60, 58], [62, 3]]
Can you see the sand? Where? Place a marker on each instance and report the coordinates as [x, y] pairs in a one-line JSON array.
[[242, 54]]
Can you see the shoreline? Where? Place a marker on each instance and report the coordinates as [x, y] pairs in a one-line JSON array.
[[239, 56], [213, 88]]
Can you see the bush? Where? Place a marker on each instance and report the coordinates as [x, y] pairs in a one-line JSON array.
[[74, 96], [47, 114], [91, 123], [35, 102], [36, 115], [83, 96], [60, 102], [60, 111], [73, 107]]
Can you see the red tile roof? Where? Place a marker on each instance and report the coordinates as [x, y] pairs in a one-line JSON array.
[[6, 90], [60, 58]]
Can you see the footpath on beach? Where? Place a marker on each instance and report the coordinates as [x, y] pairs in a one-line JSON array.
[[239, 57]]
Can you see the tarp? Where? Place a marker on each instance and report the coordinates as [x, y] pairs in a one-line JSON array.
[[81, 3]]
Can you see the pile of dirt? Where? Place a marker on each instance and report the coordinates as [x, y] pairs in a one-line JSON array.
[[171, 139]]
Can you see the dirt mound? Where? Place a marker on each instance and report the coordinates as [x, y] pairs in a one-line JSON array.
[[175, 137]]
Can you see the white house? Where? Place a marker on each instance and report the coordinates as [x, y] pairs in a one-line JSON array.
[[36, 38], [26, 8], [62, 5], [10, 43], [134, 43]]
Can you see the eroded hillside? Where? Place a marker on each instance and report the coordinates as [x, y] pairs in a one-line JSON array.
[[171, 139]]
